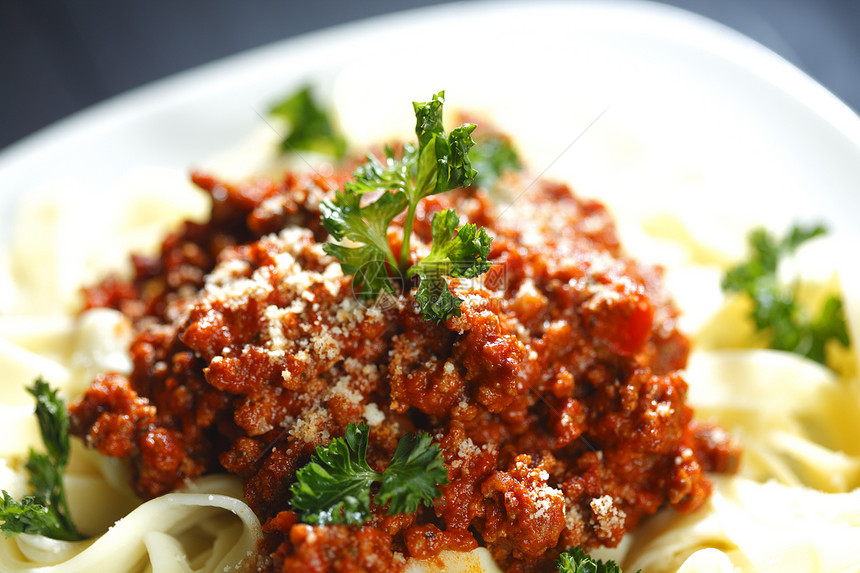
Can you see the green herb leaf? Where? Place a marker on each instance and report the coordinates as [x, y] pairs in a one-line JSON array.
[[29, 515], [492, 156], [334, 487], [576, 560], [439, 163], [46, 511], [345, 218], [310, 127], [53, 421], [442, 163], [369, 270], [775, 308], [428, 119], [457, 252], [43, 475], [435, 299], [413, 475]]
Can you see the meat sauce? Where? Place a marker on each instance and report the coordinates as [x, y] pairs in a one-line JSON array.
[[555, 397]]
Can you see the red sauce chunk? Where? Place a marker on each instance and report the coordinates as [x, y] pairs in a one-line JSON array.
[[555, 397]]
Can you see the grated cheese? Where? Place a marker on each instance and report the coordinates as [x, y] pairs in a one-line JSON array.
[[608, 517]]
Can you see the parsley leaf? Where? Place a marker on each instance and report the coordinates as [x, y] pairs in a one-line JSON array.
[[435, 299], [30, 515], [455, 252], [46, 511], [344, 217], [576, 560], [775, 308], [442, 163], [437, 164], [493, 155], [413, 475], [311, 129], [334, 487], [53, 421]]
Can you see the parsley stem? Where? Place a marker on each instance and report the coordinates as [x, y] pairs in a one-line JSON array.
[[65, 515], [407, 234], [389, 258]]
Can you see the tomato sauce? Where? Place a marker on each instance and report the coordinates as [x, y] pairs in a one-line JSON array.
[[555, 397]]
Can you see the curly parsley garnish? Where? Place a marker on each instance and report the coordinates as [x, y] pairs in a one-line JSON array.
[[775, 308], [457, 252], [437, 164], [334, 487], [578, 561], [310, 127], [45, 511]]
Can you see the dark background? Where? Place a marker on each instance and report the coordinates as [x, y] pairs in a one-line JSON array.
[[59, 56]]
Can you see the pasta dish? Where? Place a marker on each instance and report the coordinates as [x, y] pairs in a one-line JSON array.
[[429, 360]]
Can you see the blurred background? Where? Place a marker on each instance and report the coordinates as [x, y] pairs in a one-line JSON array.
[[60, 56]]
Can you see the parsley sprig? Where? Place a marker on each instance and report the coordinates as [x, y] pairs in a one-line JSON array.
[[775, 308], [440, 162], [578, 561], [458, 252], [335, 486], [309, 124], [45, 511]]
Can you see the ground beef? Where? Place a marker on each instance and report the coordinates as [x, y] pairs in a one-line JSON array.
[[555, 396]]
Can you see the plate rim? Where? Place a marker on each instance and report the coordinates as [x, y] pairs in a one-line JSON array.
[[683, 26]]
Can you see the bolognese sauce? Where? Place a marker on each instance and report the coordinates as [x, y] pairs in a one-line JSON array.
[[555, 396]]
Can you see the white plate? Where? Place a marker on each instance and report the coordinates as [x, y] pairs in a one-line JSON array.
[[648, 107], [693, 117]]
